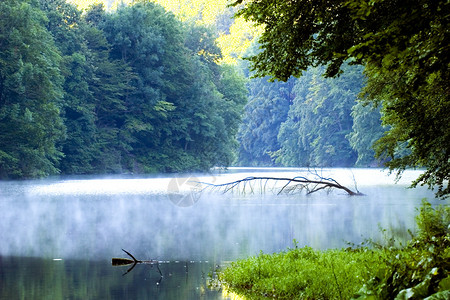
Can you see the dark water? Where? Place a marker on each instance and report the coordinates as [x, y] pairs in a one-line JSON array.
[[40, 278], [58, 235]]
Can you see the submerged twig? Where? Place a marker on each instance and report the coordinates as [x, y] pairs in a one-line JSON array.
[[126, 261]]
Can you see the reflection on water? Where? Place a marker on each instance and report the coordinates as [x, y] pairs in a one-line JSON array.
[[37, 278], [59, 235]]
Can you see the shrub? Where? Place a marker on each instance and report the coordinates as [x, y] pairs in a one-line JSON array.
[[421, 269]]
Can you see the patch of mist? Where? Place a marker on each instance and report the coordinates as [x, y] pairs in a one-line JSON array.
[[95, 218], [345, 176]]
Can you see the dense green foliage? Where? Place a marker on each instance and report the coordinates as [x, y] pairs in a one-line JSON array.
[[266, 110], [415, 271], [309, 121], [366, 131], [133, 90], [30, 92], [404, 48], [315, 132]]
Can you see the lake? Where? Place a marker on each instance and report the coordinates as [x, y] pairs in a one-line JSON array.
[[58, 235]]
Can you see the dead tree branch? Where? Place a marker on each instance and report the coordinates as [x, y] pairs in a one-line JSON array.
[[298, 183]]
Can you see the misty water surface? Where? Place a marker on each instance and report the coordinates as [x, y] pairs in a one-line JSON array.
[[70, 228]]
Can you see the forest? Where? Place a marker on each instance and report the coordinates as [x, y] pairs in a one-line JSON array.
[[164, 86], [134, 90]]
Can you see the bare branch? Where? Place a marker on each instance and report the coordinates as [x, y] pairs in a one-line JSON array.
[[301, 183]]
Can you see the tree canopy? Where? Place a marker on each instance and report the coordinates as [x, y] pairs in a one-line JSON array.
[[404, 48]]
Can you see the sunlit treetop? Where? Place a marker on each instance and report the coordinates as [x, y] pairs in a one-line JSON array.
[[234, 35], [242, 34], [203, 11]]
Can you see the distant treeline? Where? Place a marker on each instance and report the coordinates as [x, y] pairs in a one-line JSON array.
[[133, 90], [311, 121]]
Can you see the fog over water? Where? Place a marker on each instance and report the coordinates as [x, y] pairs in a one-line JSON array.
[[166, 218]]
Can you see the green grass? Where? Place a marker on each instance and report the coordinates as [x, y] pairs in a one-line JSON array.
[[415, 271], [301, 273]]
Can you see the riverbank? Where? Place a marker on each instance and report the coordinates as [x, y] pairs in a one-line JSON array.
[[417, 270]]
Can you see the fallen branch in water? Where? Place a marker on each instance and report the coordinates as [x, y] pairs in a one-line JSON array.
[[298, 183]]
